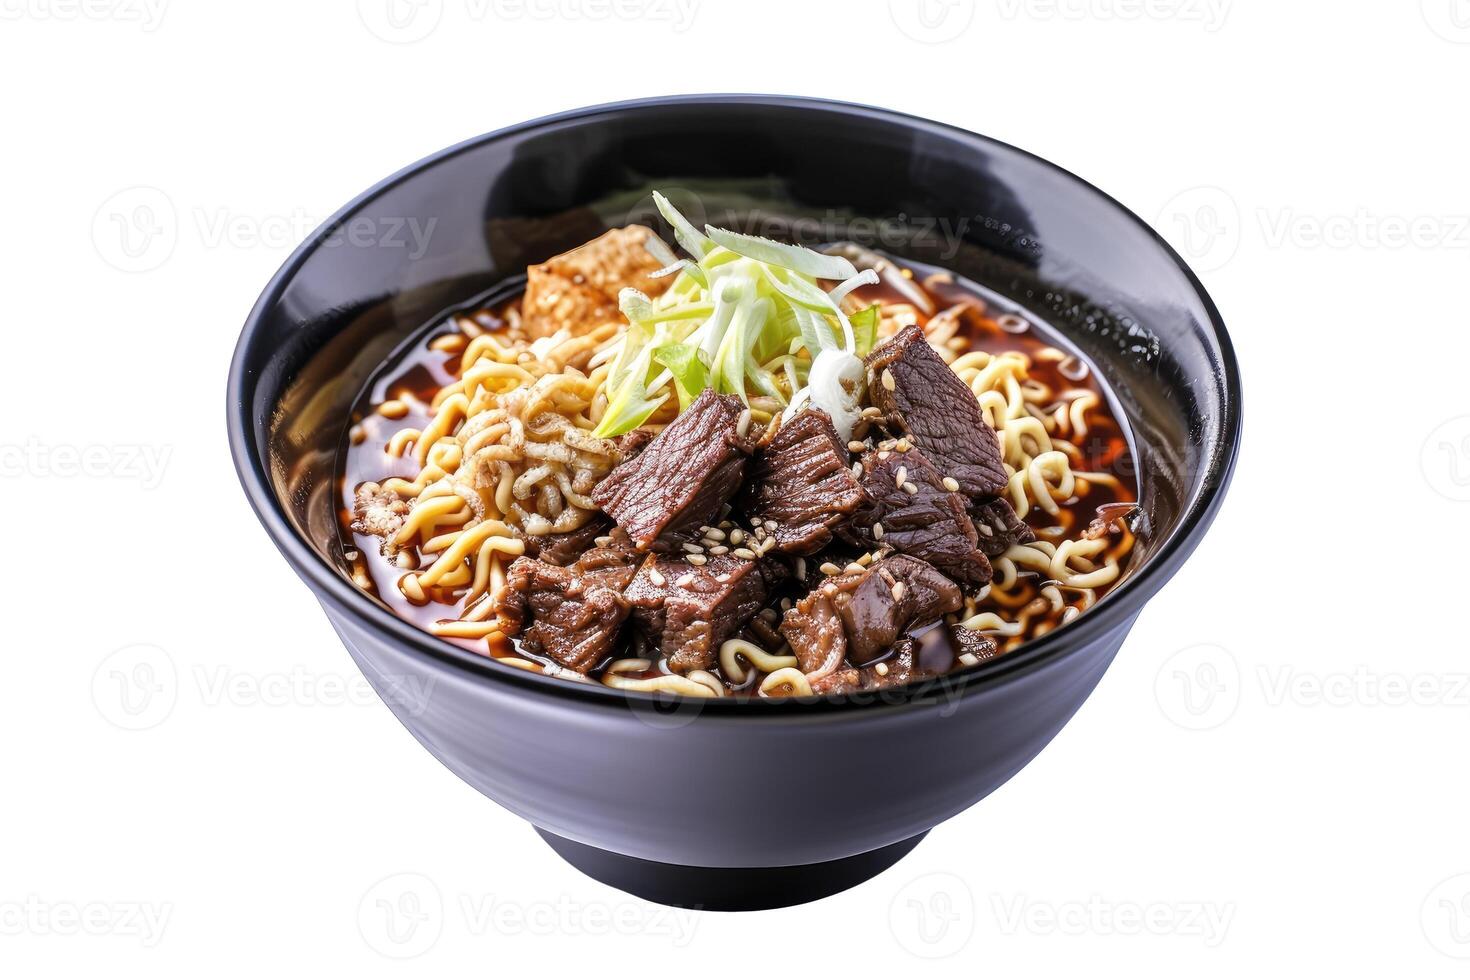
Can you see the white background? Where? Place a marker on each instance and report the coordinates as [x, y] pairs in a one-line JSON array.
[[1272, 776]]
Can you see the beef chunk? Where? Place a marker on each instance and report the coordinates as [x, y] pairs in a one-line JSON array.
[[572, 622], [903, 666], [930, 523], [998, 526], [572, 614], [684, 476], [566, 547], [814, 629], [611, 566], [687, 611], [578, 290], [875, 606], [976, 645], [921, 397], [803, 483]]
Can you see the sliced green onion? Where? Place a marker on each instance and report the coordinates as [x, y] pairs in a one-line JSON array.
[[689, 237], [690, 373], [865, 278], [792, 257]]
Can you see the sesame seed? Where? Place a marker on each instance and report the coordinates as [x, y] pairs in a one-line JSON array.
[[736, 536], [984, 529], [827, 568], [722, 577], [882, 669], [884, 454], [696, 559], [856, 447], [771, 525], [951, 484], [604, 542], [903, 445], [887, 445], [745, 553], [857, 469], [657, 578], [910, 489], [719, 549], [691, 547], [901, 476], [853, 568], [888, 381], [801, 569], [877, 532], [714, 533], [897, 591], [865, 560], [872, 412], [684, 581]]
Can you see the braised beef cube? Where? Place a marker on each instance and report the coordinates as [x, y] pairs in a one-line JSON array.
[[848, 680], [903, 666], [687, 611], [561, 614], [974, 647], [998, 526], [566, 547], [921, 397], [896, 594], [876, 607], [803, 482], [919, 515], [610, 566], [814, 629], [684, 476]]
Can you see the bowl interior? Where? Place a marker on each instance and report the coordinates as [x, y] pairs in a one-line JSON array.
[[473, 217]]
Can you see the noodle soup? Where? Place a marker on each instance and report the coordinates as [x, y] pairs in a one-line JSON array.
[[533, 479]]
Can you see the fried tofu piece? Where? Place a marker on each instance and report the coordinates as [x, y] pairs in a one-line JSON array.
[[578, 290]]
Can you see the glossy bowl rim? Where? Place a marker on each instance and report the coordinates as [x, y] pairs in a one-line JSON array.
[[1122, 603]]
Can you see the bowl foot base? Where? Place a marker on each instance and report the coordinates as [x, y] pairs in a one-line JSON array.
[[726, 889]]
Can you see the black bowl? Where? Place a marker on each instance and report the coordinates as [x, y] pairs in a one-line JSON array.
[[728, 803]]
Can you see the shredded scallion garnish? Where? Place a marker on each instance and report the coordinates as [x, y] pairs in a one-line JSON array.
[[745, 316]]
